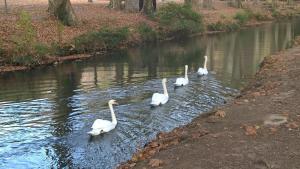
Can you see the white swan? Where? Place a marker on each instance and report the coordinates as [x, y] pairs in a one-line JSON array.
[[103, 126], [203, 71], [158, 98], [182, 81]]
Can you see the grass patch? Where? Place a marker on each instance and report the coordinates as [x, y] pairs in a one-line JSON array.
[[146, 32], [243, 16], [179, 20], [105, 38], [223, 26], [26, 50]]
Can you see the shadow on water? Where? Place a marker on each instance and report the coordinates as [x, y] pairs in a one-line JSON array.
[[45, 114]]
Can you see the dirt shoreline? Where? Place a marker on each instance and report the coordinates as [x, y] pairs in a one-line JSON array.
[[259, 129]]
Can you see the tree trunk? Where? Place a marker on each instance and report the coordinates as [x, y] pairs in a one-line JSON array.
[[132, 5], [188, 2], [274, 3], [148, 7], [207, 4], [62, 9], [239, 3], [6, 8], [115, 4], [290, 2]]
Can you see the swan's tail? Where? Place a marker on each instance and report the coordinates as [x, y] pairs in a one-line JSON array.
[[153, 104], [94, 132]]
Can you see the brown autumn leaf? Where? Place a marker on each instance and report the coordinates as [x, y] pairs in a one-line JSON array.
[[292, 125], [250, 130], [285, 114], [220, 113], [134, 158], [255, 94], [273, 130], [155, 163]]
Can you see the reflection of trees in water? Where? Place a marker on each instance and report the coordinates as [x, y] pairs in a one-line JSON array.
[[235, 55], [67, 82], [62, 156], [20, 86]]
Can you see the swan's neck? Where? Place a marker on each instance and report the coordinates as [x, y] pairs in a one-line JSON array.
[[113, 116], [165, 88], [185, 75], [205, 62]]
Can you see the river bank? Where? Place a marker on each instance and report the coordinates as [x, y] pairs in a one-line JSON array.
[[58, 43], [259, 129]]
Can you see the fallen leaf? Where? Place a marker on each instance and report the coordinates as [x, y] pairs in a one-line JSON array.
[[155, 162], [255, 94], [250, 130], [154, 144], [292, 125], [220, 113], [273, 130], [132, 165], [134, 158], [285, 113]]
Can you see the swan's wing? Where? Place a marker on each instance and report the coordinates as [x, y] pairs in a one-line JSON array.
[[157, 98], [180, 81], [104, 125], [164, 99], [202, 71]]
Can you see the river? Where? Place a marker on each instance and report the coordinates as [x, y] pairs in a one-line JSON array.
[[45, 113]]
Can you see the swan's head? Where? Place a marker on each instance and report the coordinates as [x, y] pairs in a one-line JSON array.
[[164, 80], [186, 66], [111, 102], [205, 57]]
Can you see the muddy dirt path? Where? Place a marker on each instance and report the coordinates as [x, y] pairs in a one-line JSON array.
[[260, 129]]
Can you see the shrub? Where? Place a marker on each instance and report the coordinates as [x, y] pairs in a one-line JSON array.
[[41, 50], [180, 20], [146, 32], [276, 13], [26, 60], [60, 29], [223, 26], [261, 16], [26, 35], [244, 16], [27, 51], [104, 38]]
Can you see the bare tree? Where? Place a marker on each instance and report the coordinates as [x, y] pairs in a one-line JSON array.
[[290, 2], [6, 8], [274, 3], [115, 4], [62, 9], [149, 7], [207, 4]]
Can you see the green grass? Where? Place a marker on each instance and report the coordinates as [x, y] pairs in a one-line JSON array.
[[243, 16], [105, 38], [26, 50], [146, 32], [223, 26], [179, 20]]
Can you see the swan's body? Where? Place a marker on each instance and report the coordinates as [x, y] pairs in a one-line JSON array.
[[182, 81], [158, 98], [203, 71], [103, 126]]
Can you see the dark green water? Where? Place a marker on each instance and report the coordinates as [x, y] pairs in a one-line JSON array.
[[45, 113]]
